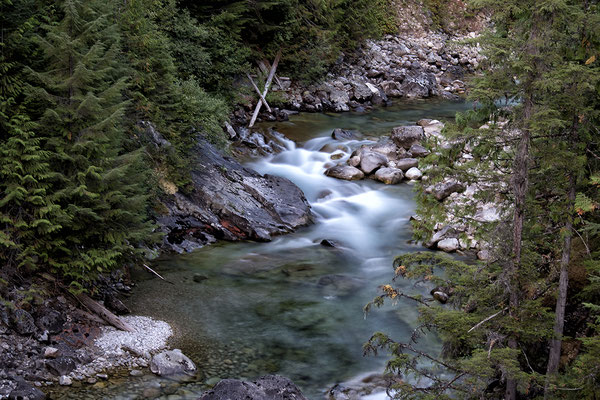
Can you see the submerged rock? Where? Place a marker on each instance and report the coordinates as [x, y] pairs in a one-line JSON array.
[[172, 362], [270, 387]]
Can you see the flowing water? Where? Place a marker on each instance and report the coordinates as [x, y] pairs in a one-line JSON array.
[[293, 306]]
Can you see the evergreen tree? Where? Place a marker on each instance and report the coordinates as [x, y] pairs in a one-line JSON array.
[[99, 188]]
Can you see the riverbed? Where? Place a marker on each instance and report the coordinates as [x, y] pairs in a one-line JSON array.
[[293, 306]]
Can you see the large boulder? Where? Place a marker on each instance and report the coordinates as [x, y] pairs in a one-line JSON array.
[[389, 176], [418, 151], [345, 172], [62, 365], [270, 387], [419, 85], [448, 245], [445, 189], [407, 163], [406, 136], [172, 362], [371, 160], [23, 322], [231, 202], [25, 390], [413, 173], [386, 147]]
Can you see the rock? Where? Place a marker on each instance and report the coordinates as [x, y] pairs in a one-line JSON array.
[[345, 172], [441, 297], [199, 278], [23, 322], [340, 285], [152, 135], [270, 387], [418, 151], [487, 213], [445, 189], [328, 243], [389, 176], [65, 381], [61, 365], [231, 202], [406, 136], [342, 134], [354, 161], [115, 304], [361, 91], [407, 163], [339, 100], [136, 372], [386, 147], [484, 255], [50, 320], [443, 233], [448, 245], [370, 161], [51, 352], [417, 84], [413, 173], [172, 362], [26, 391]]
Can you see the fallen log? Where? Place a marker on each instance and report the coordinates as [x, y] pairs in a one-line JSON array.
[[267, 86]]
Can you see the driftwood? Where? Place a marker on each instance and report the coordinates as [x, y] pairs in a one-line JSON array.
[[95, 307], [267, 86], [265, 67], [259, 93], [103, 312]]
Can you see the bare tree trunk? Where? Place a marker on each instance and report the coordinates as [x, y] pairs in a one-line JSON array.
[[563, 282]]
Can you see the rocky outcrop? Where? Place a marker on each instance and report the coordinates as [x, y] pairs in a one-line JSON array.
[[270, 387], [393, 67], [231, 202]]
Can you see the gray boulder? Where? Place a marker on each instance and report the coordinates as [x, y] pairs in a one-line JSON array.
[[386, 147], [445, 189], [346, 172], [389, 176], [23, 322], [446, 232], [413, 173], [343, 134], [418, 151], [231, 202], [407, 163], [270, 387], [26, 391], [406, 136], [370, 161], [172, 362], [61, 365], [448, 245], [354, 161]]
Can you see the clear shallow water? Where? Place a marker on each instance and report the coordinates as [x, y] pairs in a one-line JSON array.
[[292, 306]]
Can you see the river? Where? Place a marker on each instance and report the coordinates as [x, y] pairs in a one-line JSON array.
[[293, 306]]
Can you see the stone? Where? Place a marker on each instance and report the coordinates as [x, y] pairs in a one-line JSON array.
[[440, 296], [50, 320], [199, 278], [484, 255], [386, 147], [443, 233], [361, 91], [51, 352], [345, 172], [389, 176], [65, 381], [328, 243], [270, 387], [339, 100], [418, 151], [136, 372], [406, 136], [343, 134], [413, 173], [445, 189], [407, 163], [354, 161], [370, 161], [448, 245], [231, 202], [172, 362], [26, 391], [23, 322], [61, 365]]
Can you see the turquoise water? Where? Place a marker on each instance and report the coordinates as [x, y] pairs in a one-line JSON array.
[[292, 306]]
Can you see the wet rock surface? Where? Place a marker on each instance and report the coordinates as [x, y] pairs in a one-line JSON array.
[[231, 202], [270, 387]]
